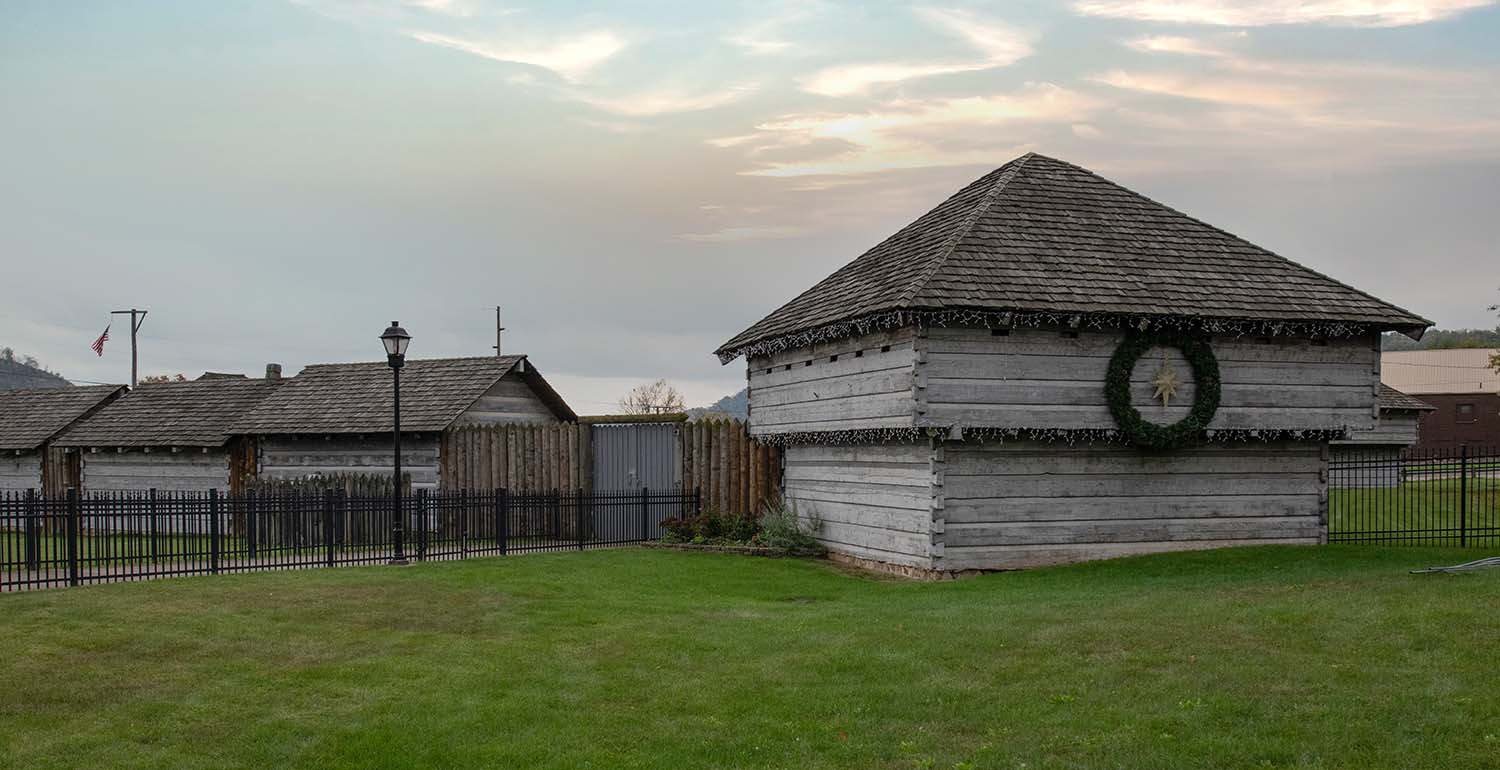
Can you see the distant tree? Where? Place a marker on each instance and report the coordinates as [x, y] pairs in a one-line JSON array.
[[652, 398], [1495, 359], [156, 379], [1443, 339]]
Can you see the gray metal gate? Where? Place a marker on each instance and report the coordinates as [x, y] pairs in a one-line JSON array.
[[635, 455], [629, 456]]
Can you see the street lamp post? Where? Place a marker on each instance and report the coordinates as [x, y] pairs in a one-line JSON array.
[[395, 340]]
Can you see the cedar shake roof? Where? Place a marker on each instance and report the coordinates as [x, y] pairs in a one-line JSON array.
[[28, 418], [357, 398], [195, 413], [1039, 235], [1393, 400]]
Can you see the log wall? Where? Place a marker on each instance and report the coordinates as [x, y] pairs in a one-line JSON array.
[[20, 472], [509, 401], [1045, 378], [191, 469], [1394, 428], [1025, 504], [286, 458], [873, 501], [863, 382]]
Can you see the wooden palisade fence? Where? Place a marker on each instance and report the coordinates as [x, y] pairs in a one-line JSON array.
[[733, 471], [517, 457]]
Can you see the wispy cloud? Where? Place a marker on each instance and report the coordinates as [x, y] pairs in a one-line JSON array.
[[908, 134], [665, 100], [767, 36], [998, 44], [459, 8], [746, 233], [1173, 44], [571, 58], [1224, 90], [1255, 13]]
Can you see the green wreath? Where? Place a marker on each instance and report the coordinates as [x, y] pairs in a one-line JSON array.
[[1185, 432]]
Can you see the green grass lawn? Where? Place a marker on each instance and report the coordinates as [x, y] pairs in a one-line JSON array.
[[1419, 510], [1267, 657]]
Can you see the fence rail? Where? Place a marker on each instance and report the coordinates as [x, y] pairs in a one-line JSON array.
[[1426, 497], [48, 541]]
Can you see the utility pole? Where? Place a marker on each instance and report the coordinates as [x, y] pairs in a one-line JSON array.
[[135, 326], [498, 330]]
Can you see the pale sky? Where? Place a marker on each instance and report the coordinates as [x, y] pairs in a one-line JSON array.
[[635, 183]]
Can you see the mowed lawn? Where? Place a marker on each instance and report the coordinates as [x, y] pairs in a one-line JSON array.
[[1266, 657]]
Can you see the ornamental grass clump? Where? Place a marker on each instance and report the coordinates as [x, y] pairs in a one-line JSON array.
[[781, 527]]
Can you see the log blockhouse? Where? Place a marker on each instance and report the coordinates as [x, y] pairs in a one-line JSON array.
[[31, 420], [170, 436], [337, 418], [942, 402]]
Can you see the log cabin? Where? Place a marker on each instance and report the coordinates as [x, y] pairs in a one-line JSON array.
[[30, 421], [337, 418], [169, 436], [1372, 458], [1049, 367]]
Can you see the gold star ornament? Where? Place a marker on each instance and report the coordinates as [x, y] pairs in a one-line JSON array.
[[1166, 381]]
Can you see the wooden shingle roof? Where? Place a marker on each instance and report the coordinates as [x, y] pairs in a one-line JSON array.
[[1392, 400], [28, 418], [1039, 235], [195, 413], [357, 398]]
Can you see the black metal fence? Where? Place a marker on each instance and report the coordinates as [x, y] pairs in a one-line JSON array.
[[1429, 497], [113, 537]]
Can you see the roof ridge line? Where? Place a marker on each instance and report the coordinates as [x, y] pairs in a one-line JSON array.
[[951, 244], [418, 360]]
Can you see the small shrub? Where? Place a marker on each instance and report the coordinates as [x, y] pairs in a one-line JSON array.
[[781, 527], [777, 527], [679, 530]]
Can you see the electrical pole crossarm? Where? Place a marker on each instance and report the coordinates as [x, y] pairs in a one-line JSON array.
[[137, 317]]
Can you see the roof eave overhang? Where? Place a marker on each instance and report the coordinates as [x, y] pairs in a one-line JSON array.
[[888, 319]]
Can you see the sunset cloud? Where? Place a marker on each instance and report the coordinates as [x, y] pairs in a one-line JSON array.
[[1225, 90], [767, 36], [998, 44], [663, 101], [570, 58], [909, 134], [1256, 13]]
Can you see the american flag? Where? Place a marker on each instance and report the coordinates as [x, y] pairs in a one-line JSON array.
[[98, 345]]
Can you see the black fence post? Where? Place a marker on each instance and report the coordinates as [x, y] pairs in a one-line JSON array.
[[463, 523], [578, 514], [502, 510], [328, 539], [1463, 495], [645, 512], [33, 539], [72, 537], [421, 524], [555, 513], [151, 525], [213, 531], [247, 509]]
